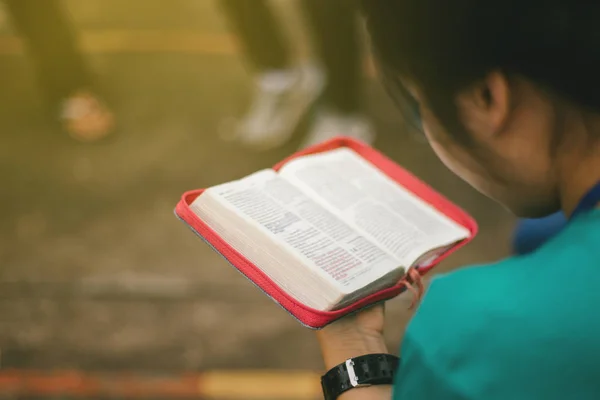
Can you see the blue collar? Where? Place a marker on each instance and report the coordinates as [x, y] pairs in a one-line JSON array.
[[588, 202]]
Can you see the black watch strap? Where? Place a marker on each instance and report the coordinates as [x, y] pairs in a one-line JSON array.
[[367, 370]]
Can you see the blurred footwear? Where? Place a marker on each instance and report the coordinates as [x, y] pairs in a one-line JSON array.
[[281, 99], [85, 118], [329, 124]]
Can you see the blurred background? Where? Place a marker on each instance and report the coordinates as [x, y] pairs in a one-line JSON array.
[[107, 115]]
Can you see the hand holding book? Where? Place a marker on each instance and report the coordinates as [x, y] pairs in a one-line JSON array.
[[352, 336], [331, 230]]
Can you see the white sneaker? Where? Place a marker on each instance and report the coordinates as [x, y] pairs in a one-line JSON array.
[[329, 124], [281, 99]]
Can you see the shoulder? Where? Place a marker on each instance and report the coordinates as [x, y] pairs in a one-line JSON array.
[[515, 329], [563, 274], [514, 297], [483, 329]]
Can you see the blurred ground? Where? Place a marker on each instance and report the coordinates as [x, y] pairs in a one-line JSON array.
[[100, 217]]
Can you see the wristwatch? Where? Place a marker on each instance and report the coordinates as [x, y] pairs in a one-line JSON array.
[[367, 370]]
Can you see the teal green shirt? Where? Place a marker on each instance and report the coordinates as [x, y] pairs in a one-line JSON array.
[[524, 328]]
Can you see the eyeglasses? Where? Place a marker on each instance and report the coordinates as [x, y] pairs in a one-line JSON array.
[[406, 103]]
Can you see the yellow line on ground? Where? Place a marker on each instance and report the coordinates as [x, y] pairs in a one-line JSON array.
[[141, 41], [150, 41], [264, 385], [222, 385]]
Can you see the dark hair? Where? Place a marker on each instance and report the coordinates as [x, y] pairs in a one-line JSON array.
[[445, 45]]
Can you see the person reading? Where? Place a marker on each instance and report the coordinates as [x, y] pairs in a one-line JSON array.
[[507, 94]]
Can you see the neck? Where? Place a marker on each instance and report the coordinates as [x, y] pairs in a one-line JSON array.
[[572, 192], [580, 172]]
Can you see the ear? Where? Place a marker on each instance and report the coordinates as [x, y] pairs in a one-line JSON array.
[[484, 106]]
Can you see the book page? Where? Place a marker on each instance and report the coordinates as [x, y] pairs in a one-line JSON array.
[[319, 238], [356, 191]]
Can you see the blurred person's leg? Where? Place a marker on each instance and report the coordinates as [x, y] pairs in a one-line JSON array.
[[336, 36], [531, 234], [284, 91], [63, 74], [258, 33]]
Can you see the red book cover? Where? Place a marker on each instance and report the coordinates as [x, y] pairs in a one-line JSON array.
[[307, 316]]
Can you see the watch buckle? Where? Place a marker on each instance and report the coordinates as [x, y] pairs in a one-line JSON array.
[[352, 375]]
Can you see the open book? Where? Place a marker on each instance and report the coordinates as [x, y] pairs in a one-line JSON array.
[[328, 228]]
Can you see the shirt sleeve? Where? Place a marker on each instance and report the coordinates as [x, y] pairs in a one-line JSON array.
[[441, 355], [417, 380]]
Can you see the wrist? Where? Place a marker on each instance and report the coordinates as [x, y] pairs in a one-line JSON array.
[[337, 348], [379, 392], [365, 377]]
